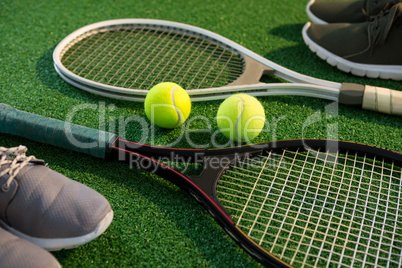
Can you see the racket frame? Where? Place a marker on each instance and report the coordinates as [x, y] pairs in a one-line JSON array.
[[203, 187], [108, 145], [368, 97], [256, 66]]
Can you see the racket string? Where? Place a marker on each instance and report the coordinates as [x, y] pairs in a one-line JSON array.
[[116, 51], [99, 54], [82, 54], [126, 61], [127, 66], [148, 66], [339, 208], [134, 56], [189, 59], [166, 71], [309, 219]]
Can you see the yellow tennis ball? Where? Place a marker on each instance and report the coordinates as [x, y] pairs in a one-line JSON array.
[[241, 117], [167, 105]]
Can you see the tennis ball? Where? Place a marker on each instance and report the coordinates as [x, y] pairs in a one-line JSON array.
[[167, 105], [241, 117]]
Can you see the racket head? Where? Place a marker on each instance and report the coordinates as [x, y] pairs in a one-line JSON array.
[[302, 203], [124, 58], [127, 57]]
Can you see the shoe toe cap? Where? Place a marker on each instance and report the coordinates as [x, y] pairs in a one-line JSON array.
[[17, 252], [342, 39], [55, 207]]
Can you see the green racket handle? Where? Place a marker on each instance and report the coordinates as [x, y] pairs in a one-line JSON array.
[[55, 132]]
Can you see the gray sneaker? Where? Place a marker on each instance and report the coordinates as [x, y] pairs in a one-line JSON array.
[[372, 48], [45, 207], [17, 252], [323, 12]]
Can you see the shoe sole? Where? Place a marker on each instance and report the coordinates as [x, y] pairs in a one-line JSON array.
[[393, 72], [311, 15], [55, 244]]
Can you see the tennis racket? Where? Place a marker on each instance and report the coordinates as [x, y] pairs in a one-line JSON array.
[[124, 58], [302, 203]]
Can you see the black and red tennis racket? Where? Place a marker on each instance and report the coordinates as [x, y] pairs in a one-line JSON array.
[[301, 203]]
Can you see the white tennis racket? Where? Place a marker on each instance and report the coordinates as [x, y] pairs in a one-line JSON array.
[[124, 58]]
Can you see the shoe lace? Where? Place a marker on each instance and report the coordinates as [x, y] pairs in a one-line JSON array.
[[16, 159], [372, 8], [381, 25]]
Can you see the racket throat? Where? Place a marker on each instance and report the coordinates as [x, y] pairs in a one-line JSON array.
[[215, 167], [253, 71], [207, 181]]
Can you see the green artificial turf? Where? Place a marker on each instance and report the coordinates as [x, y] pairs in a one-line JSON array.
[[156, 224]]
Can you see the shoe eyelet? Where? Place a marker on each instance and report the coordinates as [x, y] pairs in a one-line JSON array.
[[5, 188]]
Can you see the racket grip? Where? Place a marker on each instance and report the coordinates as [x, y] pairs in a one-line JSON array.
[[382, 100], [54, 132]]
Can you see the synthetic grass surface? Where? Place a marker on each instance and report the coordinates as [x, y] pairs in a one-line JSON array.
[[156, 224]]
